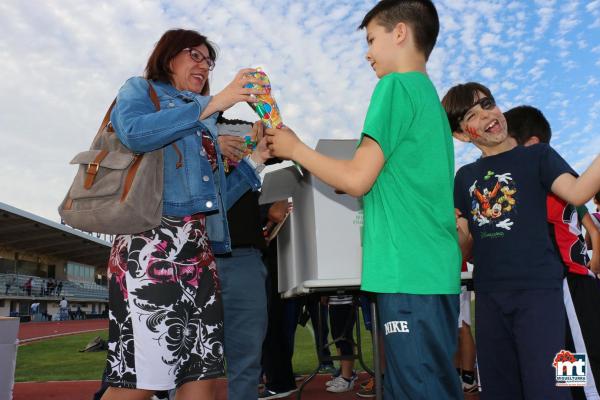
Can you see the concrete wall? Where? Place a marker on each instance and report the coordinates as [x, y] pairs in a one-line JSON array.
[[50, 307]]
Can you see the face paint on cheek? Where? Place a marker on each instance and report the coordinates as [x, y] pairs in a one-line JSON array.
[[473, 132]]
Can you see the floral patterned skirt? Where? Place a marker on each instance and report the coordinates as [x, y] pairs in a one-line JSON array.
[[166, 316]]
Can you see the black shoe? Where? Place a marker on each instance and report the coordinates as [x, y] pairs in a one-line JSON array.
[[271, 394]]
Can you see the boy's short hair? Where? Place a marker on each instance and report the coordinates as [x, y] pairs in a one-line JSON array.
[[420, 15], [597, 198], [459, 100], [525, 122]]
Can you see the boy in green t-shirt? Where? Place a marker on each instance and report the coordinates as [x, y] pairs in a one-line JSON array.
[[403, 168]]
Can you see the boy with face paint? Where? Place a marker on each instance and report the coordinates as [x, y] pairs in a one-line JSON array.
[[501, 200]]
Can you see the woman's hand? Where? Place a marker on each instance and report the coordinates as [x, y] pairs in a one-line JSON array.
[[234, 93], [282, 142], [261, 153], [232, 146]]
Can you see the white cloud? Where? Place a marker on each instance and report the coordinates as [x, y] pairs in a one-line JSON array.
[[593, 6], [488, 72], [568, 23], [545, 14], [509, 85], [538, 70], [63, 62]]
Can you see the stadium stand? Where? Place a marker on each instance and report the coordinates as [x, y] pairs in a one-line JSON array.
[[57, 260]]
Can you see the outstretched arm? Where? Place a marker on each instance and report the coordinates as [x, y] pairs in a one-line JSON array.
[[355, 176], [578, 191]]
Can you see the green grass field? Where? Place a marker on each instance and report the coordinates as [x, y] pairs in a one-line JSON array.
[[59, 359]]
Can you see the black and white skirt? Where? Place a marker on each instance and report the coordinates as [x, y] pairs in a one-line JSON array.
[[166, 316]]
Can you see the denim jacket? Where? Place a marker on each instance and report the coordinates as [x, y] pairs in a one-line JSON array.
[[194, 187]]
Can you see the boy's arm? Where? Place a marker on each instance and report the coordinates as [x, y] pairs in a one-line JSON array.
[[578, 191], [355, 176], [594, 236], [465, 240]]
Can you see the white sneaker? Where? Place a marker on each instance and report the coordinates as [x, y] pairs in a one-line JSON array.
[[339, 384], [470, 388]]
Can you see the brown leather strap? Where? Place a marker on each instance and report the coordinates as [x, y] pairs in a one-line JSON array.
[[106, 120], [68, 203], [130, 176], [179, 162], [92, 169]]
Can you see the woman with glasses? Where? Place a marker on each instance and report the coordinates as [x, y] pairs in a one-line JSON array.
[[166, 318]]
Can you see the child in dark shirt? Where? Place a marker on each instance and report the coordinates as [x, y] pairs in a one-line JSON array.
[[501, 198], [528, 126]]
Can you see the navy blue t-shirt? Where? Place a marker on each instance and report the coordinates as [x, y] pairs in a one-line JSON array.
[[504, 199]]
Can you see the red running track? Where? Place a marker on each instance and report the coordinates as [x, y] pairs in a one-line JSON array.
[[29, 331], [84, 390]]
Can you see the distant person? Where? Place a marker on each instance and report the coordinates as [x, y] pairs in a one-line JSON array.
[[27, 286], [8, 283], [64, 309], [50, 287], [59, 288]]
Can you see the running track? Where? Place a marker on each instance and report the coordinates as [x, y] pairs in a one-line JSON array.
[[30, 331], [84, 390]]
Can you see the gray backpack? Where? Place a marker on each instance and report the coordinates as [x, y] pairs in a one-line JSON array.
[[115, 190]]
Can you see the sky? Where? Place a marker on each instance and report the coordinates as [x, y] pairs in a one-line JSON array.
[[62, 63]]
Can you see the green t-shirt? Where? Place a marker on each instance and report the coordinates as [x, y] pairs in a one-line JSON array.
[[410, 243]]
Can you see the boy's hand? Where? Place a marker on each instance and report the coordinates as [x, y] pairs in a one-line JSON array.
[[595, 265], [457, 215], [282, 142], [261, 153], [465, 240]]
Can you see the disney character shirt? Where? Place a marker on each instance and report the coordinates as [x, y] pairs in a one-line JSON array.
[[504, 199]]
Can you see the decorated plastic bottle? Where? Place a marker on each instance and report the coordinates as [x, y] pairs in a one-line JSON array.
[[266, 106]]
